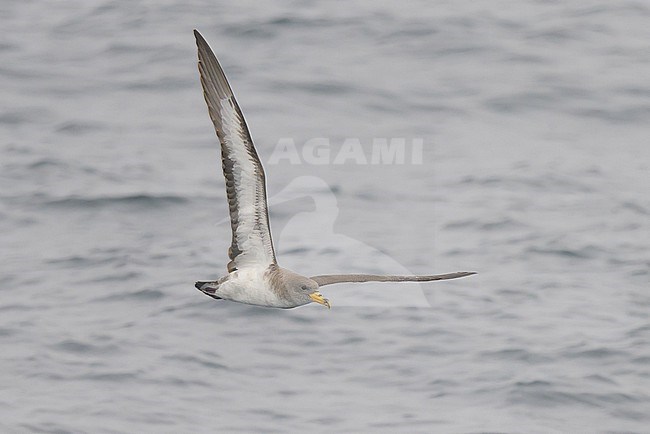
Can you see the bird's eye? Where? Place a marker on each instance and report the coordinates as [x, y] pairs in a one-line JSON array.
[[304, 287]]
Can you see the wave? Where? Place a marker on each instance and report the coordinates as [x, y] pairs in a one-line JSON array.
[[549, 394], [498, 224], [76, 346], [140, 199], [140, 295], [581, 253], [542, 182]]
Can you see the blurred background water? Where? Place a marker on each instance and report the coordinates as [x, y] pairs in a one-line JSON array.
[[535, 118]]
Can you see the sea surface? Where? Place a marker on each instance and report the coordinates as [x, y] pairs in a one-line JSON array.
[[534, 121]]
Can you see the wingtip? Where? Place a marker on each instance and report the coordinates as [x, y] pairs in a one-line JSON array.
[[460, 274], [199, 37]]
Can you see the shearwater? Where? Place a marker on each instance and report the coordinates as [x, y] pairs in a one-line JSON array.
[[254, 276]]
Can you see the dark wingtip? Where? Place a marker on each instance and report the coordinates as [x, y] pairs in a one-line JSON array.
[[199, 38]]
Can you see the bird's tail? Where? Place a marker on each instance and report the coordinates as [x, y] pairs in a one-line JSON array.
[[208, 287]]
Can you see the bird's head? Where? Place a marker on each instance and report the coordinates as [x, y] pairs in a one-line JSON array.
[[306, 290]]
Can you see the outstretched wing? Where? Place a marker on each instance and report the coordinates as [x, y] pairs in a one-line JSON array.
[[245, 183], [329, 279]]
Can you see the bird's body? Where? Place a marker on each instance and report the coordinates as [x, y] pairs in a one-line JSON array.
[[250, 286], [254, 276], [258, 286]]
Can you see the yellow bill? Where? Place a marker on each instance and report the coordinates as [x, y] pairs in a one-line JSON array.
[[318, 298]]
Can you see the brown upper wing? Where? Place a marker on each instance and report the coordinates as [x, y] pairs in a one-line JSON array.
[[245, 182], [329, 279]]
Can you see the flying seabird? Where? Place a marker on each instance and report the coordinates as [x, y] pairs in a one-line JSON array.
[[254, 276]]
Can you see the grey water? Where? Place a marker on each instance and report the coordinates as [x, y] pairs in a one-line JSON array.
[[535, 170]]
